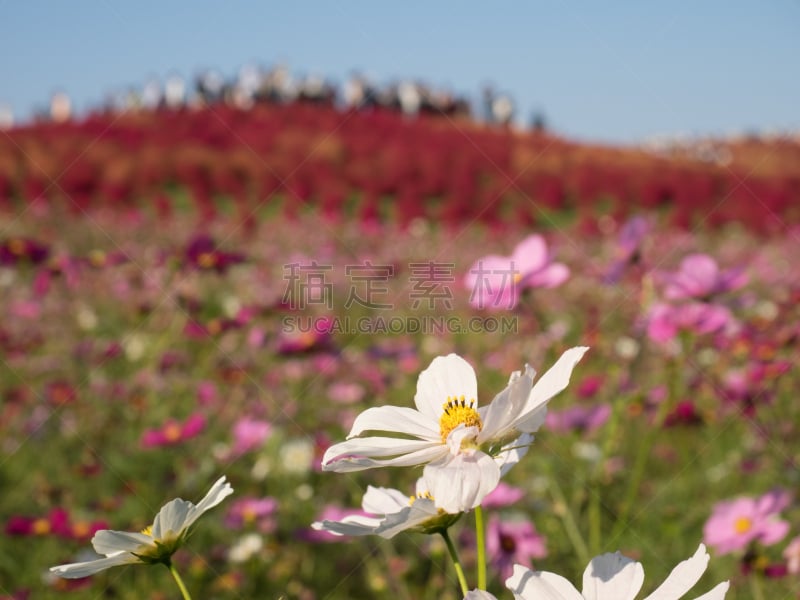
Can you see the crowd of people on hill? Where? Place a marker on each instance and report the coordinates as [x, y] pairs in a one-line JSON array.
[[254, 84]]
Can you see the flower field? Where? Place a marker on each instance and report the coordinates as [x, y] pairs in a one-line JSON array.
[[161, 333]]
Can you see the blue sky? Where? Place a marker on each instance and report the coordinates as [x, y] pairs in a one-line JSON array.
[[605, 71]]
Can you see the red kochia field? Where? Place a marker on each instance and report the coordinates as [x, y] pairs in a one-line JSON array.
[[379, 165], [195, 294]]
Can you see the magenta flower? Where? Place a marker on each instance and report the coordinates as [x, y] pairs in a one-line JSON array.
[[55, 523], [734, 524], [249, 434], [496, 282], [684, 413], [699, 278], [174, 432], [202, 253], [15, 250], [578, 418], [60, 392], [512, 542], [258, 512], [317, 336]]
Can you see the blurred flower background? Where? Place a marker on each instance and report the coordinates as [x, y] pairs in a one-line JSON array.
[[226, 234]]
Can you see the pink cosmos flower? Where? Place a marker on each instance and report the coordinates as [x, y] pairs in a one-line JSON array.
[[512, 542], [346, 392], [631, 236], [700, 278], [664, 321], [496, 282], [174, 432], [259, 512], [578, 418], [29, 310], [792, 555], [206, 393], [734, 524], [503, 495], [249, 434]]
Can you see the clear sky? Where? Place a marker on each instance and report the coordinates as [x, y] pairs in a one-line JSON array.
[[614, 71]]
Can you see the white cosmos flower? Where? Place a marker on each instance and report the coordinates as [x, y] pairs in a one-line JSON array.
[[613, 577], [156, 544], [479, 595], [463, 446], [393, 512]]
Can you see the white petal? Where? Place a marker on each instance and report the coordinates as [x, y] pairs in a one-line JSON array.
[[422, 510], [107, 541], [84, 569], [551, 383], [718, 593], [612, 577], [447, 376], [532, 420], [479, 595], [540, 585], [513, 452], [349, 463], [502, 412], [459, 483], [178, 515], [396, 419], [383, 501], [218, 492], [171, 519], [682, 577], [354, 525], [377, 447]]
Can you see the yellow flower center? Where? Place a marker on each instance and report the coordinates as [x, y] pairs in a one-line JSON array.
[[458, 411], [517, 278], [97, 258], [40, 527], [742, 525], [207, 260], [412, 499], [16, 246], [172, 432], [80, 529], [214, 326], [148, 530], [249, 515]]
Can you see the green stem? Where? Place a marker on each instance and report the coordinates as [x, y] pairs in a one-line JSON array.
[[454, 555], [480, 542], [643, 452], [570, 526], [755, 587], [179, 581], [594, 519]]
